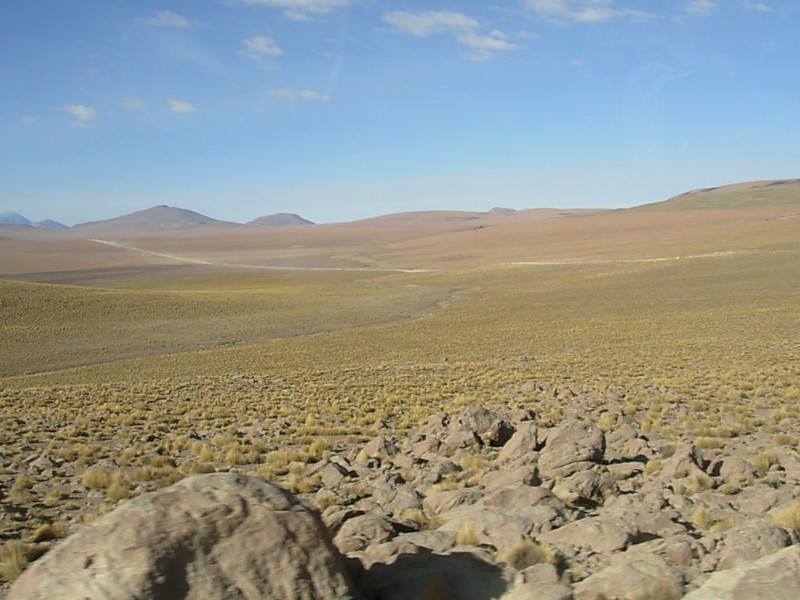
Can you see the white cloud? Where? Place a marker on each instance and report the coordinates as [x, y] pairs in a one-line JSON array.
[[27, 120], [426, 23], [462, 27], [257, 47], [759, 6], [484, 46], [296, 15], [299, 95], [167, 18], [700, 7], [82, 114], [179, 106], [133, 104], [580, 11], [298, 10]]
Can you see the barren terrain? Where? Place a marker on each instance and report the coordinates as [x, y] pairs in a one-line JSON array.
[[132, 359]]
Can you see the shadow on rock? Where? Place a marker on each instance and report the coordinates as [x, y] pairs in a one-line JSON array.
[[428, 576]]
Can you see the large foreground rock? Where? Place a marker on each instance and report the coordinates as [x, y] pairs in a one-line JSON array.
[[211, 537], [774, 577]]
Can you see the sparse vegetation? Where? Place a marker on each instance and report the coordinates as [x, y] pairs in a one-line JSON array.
[[129, 389]]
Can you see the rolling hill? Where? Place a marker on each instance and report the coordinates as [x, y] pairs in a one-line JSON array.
[[280, 220], [158, 218], [778, 193]]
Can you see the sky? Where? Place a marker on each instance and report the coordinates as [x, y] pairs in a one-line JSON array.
[[345, 109]]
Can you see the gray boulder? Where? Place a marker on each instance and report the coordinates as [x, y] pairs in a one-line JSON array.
[[774, 577], [211, 537], [636, 577], [752, 540], [574, 446], [522, 444]]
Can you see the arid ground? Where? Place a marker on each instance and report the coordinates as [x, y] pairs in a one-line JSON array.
[[133, 357]]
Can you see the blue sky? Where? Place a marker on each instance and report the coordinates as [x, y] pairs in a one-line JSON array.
[[344, 109]]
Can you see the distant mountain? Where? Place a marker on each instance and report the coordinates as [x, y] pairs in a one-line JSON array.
[[750, 194], [158, 218], [50, 224], [14, 218], [499, 210], [280, 220]]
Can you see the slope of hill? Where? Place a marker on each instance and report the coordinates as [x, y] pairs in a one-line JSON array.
[[50, 224], [778, 193], [14, 218], [158, 218], [280, 220]]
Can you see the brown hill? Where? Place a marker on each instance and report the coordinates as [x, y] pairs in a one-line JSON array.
[[758, 216], [158, 218], [280, 220], [777, 193]]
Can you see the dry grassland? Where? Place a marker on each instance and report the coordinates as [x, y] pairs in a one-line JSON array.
[[107, 393]]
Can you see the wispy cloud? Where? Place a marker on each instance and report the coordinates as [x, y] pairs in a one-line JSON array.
[[180, 106], [298, 10], [700, 7], [759, 6], [465, 29], [258, 47], [299, 95], [580, 11], [426, 23], [83, 115], [485, 47], [27, 120], [133, 104], [167, 18]]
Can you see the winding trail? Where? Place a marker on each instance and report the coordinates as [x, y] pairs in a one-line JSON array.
[[246, 266], [534, 263]]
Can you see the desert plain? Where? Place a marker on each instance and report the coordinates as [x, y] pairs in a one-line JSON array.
[[381, 369]]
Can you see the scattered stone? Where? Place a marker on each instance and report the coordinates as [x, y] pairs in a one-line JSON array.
[[752, 540], [574, 446], [523, 443]]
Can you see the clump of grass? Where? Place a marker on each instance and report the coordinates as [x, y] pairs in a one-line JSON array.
[[466, 536], [49, 531], [14, 557], [788, 517], [423, 521], [20, 496], [326, 498], [96, 477], [472, 462], [702, 518], [653, 466], [764, 461], [528, 553], [22, 481], [699, 482], [118, 488], [192, 467], [709, 443], [607, 421]]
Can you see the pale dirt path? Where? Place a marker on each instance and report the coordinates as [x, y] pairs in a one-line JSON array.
[[534, 263], [264, 267], [621, 261]]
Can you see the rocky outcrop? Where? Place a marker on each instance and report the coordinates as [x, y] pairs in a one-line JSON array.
[[219, 536], [474, 506], [774, 577]]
